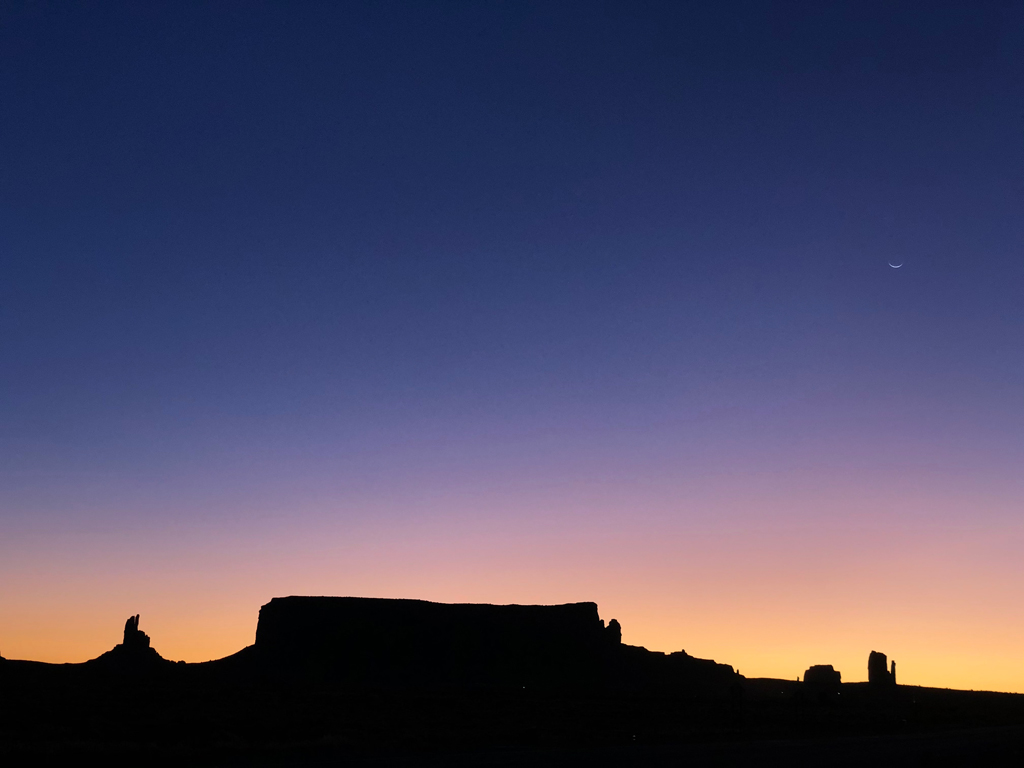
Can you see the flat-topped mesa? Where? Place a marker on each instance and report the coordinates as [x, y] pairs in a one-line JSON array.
[[415, 643]]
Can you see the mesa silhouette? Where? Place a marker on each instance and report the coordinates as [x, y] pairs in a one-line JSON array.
[[422, 645], [346, 677], [374, 643]]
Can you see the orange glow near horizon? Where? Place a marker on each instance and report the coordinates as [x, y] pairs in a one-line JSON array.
[[769, 599]]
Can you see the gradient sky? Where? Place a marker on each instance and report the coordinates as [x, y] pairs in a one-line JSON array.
[[518, 302]]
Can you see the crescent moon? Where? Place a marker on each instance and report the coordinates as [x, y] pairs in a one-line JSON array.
[[895, 266]]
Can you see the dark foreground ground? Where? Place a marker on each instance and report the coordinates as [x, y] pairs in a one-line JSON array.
[[55, 715]]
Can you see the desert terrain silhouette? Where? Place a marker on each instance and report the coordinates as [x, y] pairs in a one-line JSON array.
[[672, 351], [350, 680]]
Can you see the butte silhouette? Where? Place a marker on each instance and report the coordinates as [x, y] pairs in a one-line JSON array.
[[363, 680]]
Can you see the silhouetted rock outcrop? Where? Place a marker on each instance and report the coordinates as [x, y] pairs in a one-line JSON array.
[[822, 675], [878, 673], [614, 631], [133, 653], [414, 643], [368, 642], [822, 682], [634, 668], [133, 636]]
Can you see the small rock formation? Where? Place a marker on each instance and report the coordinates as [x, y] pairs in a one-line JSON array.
[[134, 637], [614, 632], [822, 682], [878, 672], [133, 654], [822, 674]]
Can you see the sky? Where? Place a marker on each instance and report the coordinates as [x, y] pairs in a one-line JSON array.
[[518, 302]]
